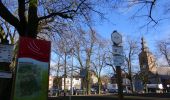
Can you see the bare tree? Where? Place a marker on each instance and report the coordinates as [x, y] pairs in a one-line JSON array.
[[99, 61], [57, 69], [152, 12], [7, 33], [84, 50], [164, 48], [62, 47], [109, 60], [131, 51], [27, 16]]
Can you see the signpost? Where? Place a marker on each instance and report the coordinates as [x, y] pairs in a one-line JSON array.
[[118, 60], [117, 50]]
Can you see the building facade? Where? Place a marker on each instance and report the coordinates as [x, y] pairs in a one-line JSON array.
[[51, 79]]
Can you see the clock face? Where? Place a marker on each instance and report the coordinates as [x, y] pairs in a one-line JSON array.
[[116, 37]]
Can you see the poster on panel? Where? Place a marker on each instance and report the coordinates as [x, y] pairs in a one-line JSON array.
[[31, 81]]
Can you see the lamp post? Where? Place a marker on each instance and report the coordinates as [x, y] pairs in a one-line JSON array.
[[72, 51], [65, 65], [118, 60]]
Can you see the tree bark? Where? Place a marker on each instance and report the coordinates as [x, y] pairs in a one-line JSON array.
[[88, 83], [99, 91], [24, 28], [32, 19]]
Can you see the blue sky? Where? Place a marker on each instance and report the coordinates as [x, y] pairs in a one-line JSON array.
[[120, 20]]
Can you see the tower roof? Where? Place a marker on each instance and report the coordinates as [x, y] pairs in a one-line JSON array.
[[144, 45]]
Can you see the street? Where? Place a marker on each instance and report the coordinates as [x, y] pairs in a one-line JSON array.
[[149, 96]]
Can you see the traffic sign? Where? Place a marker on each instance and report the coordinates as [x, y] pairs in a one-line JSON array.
[[117, 50], [118, 60]]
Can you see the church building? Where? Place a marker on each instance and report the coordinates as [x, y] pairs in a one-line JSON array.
[[151, 74]]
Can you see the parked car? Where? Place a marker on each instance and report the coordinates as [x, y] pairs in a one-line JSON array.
[[103, 91], [113, 91], [54, 92], [79, 92], [49, 93], [93, 91]]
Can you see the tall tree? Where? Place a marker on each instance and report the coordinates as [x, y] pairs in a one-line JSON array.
[[84, 50], [99, 62], [131, 52], [164, 49], [31, 13]]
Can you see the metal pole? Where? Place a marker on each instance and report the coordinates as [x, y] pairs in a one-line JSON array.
[[65, 76], [72, 75], [119, 82], [126, 83]]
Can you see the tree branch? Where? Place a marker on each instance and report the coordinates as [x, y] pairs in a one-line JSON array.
[[32, 19], [150, 11], [6, 15], [21, 13], [61, 14]]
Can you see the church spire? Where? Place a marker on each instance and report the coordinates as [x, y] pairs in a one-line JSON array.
[[144, 45]]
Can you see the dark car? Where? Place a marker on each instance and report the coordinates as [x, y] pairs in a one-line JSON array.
[[112, 90], [79, 92], [93, 91]]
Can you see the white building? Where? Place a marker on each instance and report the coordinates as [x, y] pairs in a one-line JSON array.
[[76, 83], [51, 79]]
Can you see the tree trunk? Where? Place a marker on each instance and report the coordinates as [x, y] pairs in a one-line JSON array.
[[131, 84], [25, 28], [131, 81], [88, 83], [99, 91]]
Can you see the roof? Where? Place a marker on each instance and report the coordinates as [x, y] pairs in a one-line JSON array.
[[163, 72]]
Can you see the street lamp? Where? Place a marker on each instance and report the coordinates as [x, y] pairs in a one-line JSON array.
[[72, 52], [118, 59]]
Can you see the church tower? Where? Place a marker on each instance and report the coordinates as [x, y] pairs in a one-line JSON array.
[[146, 59]]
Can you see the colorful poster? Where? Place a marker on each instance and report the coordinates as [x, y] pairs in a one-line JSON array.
[[31, 82]]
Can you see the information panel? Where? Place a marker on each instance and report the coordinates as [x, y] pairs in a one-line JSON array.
[[31, 82]]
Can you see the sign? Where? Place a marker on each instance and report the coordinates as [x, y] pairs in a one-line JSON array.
[[6, 53], [5, 75], [31, 82], [116, 37], [117, 50], [118, 60]]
